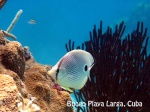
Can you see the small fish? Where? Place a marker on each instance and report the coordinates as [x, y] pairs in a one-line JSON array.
[[32, 21], [72, 70]]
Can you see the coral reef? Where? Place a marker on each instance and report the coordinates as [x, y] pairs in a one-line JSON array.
[[30, 79], [8, 94], [22, 78], [121, 72], [29, 107], [13, 57], [27, 53], [40, 86]]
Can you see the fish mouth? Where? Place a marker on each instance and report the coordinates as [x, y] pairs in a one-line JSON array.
[[90, 69], [91, 65]]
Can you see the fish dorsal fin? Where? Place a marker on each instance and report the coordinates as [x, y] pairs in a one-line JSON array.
[[89, 77]]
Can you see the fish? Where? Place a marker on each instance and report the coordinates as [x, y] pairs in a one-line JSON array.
[[32, 21], [72, 71]]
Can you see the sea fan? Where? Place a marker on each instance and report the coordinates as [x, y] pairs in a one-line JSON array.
[[121, 72]]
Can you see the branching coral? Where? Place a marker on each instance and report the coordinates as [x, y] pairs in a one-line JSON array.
[[7, 32], [11, 53], [121, 72], [14, 20], [30, 107]]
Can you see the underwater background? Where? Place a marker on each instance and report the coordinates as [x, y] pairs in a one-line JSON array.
[[58, 21]]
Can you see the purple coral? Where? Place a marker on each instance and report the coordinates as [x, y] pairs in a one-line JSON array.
[[27, 53]]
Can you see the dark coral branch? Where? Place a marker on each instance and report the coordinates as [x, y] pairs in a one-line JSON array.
[[71, 46], [121, 72]]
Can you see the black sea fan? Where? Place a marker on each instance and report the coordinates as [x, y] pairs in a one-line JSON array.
[[120, 78]]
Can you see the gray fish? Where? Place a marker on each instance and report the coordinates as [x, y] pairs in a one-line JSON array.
[[72, 70], [32, 21]]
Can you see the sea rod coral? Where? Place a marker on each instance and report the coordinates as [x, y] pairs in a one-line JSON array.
[[121, 72], [7, 32]]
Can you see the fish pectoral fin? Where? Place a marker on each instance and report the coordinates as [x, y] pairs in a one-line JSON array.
[[89, 77], [68, 89]]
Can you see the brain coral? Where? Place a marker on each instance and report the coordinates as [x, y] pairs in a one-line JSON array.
[[2, 40], [40, 86], [12, 57]]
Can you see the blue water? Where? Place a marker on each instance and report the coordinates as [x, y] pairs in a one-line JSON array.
[[61, 20]]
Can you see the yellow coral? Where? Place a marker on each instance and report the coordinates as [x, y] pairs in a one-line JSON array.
[[30, 107]]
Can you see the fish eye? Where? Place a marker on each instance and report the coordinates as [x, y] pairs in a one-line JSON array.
[[85, 67]]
